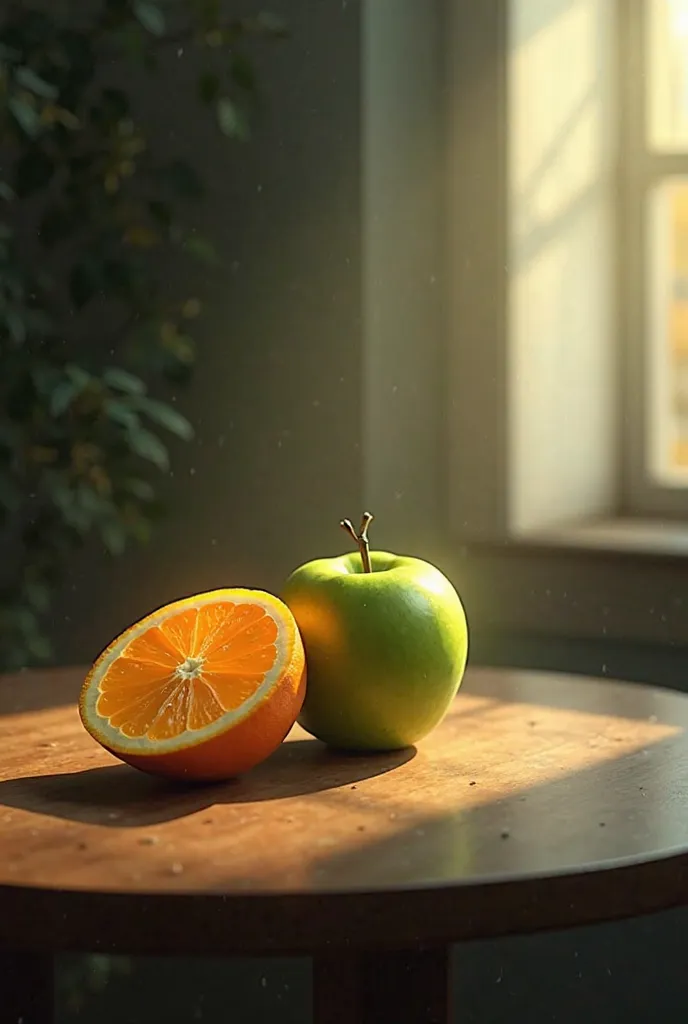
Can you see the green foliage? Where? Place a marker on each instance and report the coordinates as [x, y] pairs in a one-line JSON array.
[[81, 436]]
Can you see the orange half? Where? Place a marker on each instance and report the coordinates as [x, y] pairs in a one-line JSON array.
[[202, 689]]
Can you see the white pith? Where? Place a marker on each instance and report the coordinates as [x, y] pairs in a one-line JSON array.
[[188, 669]]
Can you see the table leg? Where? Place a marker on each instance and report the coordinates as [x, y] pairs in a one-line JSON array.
[[408, 987], [27, 988]]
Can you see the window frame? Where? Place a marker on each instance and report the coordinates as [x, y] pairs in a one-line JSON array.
[[477, 208], [640, 169]]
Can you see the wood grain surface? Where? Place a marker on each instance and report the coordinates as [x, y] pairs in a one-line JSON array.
[[541, 801]]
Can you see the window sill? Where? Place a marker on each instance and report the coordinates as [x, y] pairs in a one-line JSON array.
[[645, 538], [621, 580]]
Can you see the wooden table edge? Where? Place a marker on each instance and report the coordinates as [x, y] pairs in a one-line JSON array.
[[178, 923]]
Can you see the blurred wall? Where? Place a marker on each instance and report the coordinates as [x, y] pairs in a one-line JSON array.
[[277, 395]]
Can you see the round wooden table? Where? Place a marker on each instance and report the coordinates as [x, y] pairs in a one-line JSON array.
[[542, 801]]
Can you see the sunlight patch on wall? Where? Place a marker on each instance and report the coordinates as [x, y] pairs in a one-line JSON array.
[[560, 261]]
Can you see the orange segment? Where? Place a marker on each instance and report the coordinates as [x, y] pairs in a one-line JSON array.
[[154, 647], [203, 688]]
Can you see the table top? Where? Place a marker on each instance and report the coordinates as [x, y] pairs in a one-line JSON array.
[[541, 801]]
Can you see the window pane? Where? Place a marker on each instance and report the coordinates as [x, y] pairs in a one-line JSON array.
[[668, 74], [668, 363]]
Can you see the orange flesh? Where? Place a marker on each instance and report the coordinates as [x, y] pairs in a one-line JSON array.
[[186, 672]]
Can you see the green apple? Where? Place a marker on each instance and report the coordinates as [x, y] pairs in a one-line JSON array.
[[386, 643]]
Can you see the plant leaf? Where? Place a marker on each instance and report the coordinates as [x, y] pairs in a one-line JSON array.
[[80, 376], [25, 116], [201, 249], [123, 414], [65, 500], [16, 325], [39, 647], [150, 447], [63, 396], [150, 16], [28, 79], [271, 24], [140, 489], [122, 380], [93, 504], [140, 529], [167, 417], [114, 537], [38, 595], [231, 119], [9, 54]]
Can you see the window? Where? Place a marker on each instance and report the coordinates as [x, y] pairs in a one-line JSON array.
[[569, 186], [655, 210], [561, 166], [531, 307], [557, 511]]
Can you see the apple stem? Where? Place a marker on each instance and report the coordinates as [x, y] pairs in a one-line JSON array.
[[361, 538]]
